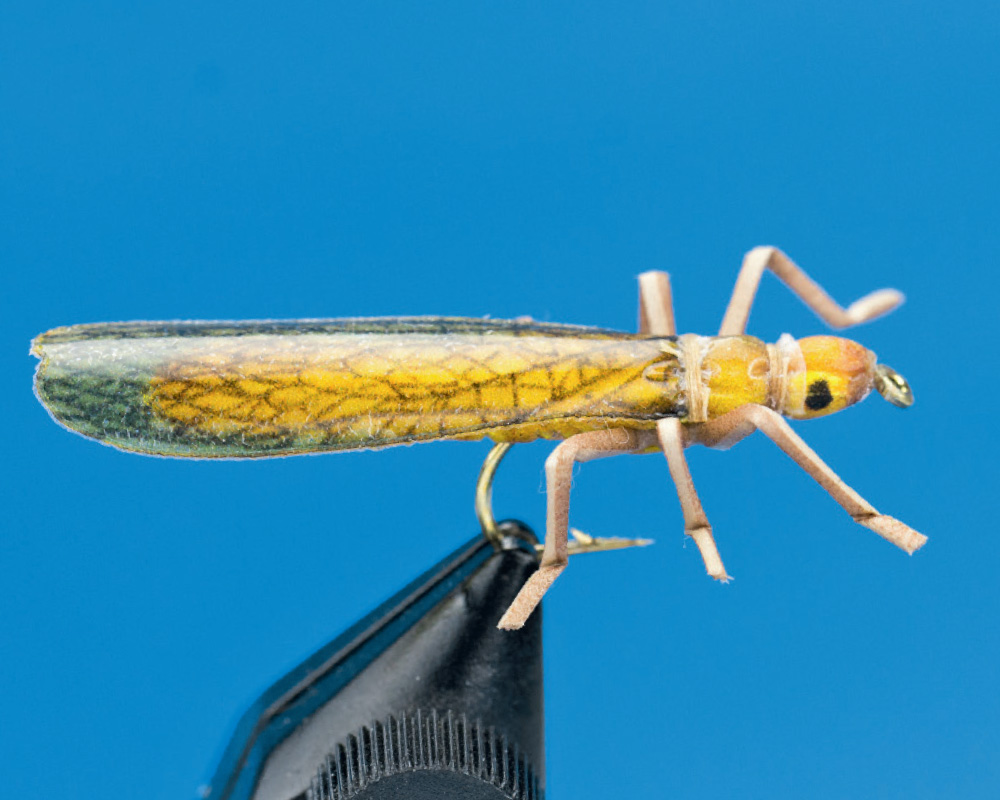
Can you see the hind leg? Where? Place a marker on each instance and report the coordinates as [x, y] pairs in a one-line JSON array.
[[656, 305], [559, 476]]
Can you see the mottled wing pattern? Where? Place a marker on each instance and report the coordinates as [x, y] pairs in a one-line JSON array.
[[283, 388]]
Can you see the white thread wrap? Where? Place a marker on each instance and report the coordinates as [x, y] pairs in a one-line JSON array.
[[693, 349], [784, 363]]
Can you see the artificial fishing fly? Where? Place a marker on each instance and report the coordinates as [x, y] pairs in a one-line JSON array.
[[274, 388]]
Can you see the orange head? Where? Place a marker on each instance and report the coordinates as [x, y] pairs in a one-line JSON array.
[[835, 373]]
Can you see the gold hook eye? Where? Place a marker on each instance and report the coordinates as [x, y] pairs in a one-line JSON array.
[[893, 386]]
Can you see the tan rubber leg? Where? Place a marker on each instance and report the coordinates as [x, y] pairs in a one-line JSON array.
[[559, 476], [757, 260], [672, 439], [656, 305], [738, 423]]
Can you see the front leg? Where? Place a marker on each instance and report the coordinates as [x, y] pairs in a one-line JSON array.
[[559, 476], [811, 293], [738, 423]]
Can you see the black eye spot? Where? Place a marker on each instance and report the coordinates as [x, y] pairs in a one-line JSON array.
[[818, 396]]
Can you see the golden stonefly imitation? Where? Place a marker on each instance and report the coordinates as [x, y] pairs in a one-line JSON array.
[[274, 388]]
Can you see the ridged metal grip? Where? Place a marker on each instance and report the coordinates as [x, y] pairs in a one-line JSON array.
[[426, 753]]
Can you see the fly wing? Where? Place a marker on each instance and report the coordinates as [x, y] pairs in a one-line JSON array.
[[437, 326], [251, 389]]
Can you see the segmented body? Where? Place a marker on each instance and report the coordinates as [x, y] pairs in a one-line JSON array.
[[253, 389]]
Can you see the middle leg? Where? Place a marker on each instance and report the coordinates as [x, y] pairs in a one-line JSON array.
[[673, 439]]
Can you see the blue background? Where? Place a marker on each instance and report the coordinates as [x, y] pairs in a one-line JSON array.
[[248, 160]]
